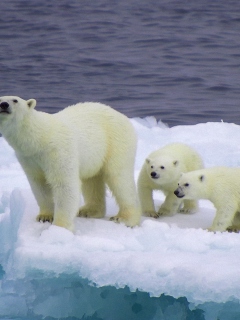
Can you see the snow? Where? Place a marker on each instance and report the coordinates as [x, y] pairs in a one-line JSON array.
[[175, 256]]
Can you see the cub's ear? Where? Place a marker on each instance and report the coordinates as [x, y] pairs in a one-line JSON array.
[[31, 103], [176, 163], [147, 160], [201, 178]]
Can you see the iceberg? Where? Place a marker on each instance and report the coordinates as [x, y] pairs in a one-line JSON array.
[[171, 268]]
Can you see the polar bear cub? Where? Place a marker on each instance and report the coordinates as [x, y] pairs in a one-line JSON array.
[[81, 148], [220, 185], [161, 171]]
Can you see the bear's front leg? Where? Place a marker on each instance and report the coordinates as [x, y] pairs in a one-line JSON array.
[[40, 188], [66, 207], [66, 192], [170, 206], [190, 206]]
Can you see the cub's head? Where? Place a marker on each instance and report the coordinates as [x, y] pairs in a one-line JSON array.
[[191, 185], [163, 169], [11, 105]]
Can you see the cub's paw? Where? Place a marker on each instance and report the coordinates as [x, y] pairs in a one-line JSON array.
[[187, 210], [233, 229], [210, 230], [217, 229], [45, 217], [89, 212], [164, 212], [117, 219], [152, 214]]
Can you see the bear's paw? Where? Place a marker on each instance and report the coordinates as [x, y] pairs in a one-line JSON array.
[[45, 217], [187, 210], [90, 212], [152, 214], [233, 229], [130, 218], [164, 212]]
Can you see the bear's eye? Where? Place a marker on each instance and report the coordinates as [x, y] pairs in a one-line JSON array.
[[15, 101], [186, 185], [151, 167], [162, 167]]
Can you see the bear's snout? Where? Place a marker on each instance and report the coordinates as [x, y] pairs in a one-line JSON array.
[[178, 193], [154, 175], [4, 106]]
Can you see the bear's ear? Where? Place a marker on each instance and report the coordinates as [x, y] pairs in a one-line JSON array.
[[201, 178], [147, 160], [176, 163], [31, 103]]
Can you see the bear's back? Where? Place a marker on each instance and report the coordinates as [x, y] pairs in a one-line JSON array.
[[99, 132]]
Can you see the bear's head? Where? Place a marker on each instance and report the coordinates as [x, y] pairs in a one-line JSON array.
[[11, 106], [163, 170], [191, 185]]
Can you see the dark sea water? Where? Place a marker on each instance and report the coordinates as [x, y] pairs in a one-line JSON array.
[[176, 60]]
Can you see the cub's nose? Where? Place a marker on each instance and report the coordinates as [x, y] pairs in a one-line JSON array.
[[4, 105], [176, 192], [153, 174]]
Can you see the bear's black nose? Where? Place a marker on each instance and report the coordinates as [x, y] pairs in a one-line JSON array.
[[176, 192], [153, 174], [4, 105]]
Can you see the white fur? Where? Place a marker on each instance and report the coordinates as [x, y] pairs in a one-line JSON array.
[[80, 148], [166, 164], [220, 185]]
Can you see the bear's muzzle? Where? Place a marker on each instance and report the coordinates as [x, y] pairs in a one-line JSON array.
[[4, 107], [154, 175], [178, 193]]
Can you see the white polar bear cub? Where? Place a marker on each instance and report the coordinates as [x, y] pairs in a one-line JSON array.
[[220, 185], [82, 147], [161, 171]]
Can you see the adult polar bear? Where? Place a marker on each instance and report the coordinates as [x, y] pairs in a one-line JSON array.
[[79, 148]]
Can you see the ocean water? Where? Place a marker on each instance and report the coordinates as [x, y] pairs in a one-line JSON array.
[[178, 60]]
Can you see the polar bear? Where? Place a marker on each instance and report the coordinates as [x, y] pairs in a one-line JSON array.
[[80, 148], [161, 171], [220, 185]]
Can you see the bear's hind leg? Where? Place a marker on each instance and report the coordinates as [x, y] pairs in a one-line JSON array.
[[224, 217], [235, 227], [93, 190]]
